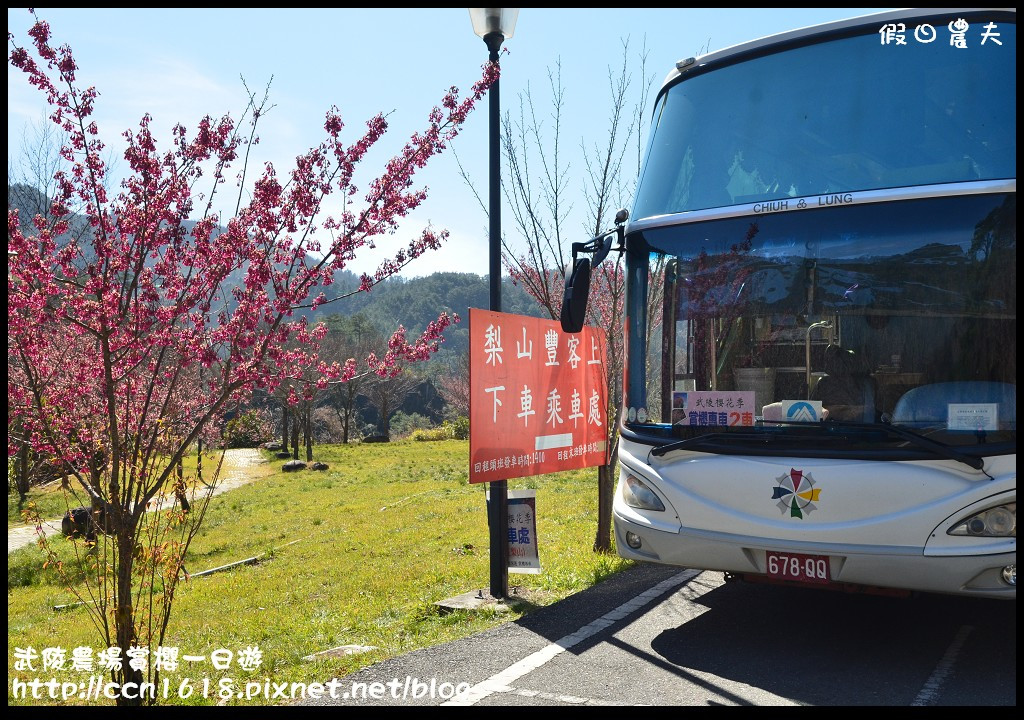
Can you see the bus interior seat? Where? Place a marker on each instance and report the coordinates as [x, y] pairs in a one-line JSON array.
[[928, 404]]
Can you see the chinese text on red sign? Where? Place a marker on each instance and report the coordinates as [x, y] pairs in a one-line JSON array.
[[538, 397]]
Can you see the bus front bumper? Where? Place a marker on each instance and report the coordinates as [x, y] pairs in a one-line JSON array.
[[887, 567]]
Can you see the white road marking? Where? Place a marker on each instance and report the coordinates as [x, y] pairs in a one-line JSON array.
[[502, 681], [567, 699], [930, 692]]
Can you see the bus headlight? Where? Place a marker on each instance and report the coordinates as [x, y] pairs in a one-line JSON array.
[[638, 495], [1000, 521], [1010, 575]]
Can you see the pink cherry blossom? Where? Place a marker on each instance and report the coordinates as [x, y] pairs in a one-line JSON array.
[[129, 343]]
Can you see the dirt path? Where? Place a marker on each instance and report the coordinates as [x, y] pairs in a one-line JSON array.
[[241, 466]]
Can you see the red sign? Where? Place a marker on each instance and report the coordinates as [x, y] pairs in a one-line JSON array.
[[538, 397]]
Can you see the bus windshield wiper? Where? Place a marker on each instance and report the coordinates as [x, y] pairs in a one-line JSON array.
[[917, 439], [710, 440], [704, 441]]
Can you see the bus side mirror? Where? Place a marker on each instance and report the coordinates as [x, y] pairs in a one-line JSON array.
[[574, 301]]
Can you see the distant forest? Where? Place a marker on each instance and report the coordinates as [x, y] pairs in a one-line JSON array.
[[414, 302], [410, 302]]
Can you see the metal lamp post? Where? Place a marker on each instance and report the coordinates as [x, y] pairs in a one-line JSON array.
[[494, 25]]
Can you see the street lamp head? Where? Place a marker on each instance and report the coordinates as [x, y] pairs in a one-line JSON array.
[[494, 24]]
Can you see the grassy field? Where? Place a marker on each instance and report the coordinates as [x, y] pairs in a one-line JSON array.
[[355, 555], [49, 501]]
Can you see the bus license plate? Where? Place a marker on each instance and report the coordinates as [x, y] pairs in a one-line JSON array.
[[795, 566]]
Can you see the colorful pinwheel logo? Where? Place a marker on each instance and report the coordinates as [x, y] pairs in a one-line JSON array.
[[796, 493]]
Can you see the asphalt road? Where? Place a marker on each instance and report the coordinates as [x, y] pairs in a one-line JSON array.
[[655, 635]]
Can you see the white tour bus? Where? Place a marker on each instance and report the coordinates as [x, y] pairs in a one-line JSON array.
[[821, 313]]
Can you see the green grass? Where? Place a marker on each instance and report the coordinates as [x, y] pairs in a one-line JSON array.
[[388, 531], [49, 502]]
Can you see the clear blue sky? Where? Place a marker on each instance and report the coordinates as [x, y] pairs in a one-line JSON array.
[[180, 64]]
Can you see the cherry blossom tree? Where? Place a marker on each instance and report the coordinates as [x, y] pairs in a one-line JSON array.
[[349, 337], [29, 186], [451, 384], [135, 338]]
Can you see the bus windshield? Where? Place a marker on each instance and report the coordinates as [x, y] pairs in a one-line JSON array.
[[834, 117], [764, 252]]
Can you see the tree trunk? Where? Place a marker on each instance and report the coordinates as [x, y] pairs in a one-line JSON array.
[[284, 424], [349, 412], [384, 419], [21, 463], [124, 616], [21, 479], [605, 496], [307, 430], [295, 437], [605, 488]]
